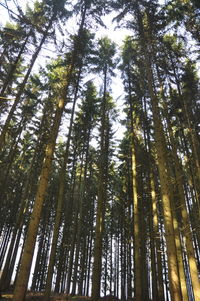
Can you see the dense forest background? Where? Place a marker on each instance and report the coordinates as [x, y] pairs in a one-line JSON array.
[[83, 212]]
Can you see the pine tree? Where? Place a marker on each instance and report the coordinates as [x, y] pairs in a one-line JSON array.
[[104, 64]]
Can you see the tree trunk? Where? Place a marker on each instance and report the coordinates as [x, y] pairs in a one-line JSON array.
[[22, 280], [160, 143], [184, 214], [26, 261], [96, 277], [61, 193], [136, 214]]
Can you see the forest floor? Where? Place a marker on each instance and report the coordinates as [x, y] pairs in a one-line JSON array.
[[32, 296]]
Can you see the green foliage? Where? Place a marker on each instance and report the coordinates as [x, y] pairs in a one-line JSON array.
[[104, 59]]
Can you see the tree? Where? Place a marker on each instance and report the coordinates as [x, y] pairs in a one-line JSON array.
[[35, 15], [26, 260], [105, 64]]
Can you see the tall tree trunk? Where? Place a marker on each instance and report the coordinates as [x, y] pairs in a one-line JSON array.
[[156, 234], [136, 214], [28, 188], [22, 280], [184, 214], [96, 277], [26, 260], [165, 189], [66, 239], [4, 244], [81, 212], [61, 193], [168, 218], [155, 287], [160, 143]]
